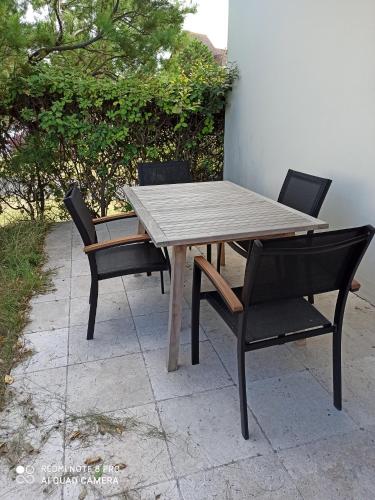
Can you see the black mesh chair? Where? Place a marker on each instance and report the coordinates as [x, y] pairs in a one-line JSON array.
[[303, 192], [168, 172], [270, 308], [108, 259]]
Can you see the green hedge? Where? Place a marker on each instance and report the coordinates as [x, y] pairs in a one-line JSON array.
[[60, 125]]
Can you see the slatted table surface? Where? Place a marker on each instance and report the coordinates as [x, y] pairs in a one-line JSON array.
[[185, 214], [179, 215]]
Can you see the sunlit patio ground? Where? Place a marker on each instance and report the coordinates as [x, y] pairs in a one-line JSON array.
[[177, 435]]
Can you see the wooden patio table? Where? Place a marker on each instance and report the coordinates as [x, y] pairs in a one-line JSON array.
[[181, 215]]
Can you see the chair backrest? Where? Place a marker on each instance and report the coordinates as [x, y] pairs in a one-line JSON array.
[[304, 192], [81, 215], [169, 172], [304, 265]]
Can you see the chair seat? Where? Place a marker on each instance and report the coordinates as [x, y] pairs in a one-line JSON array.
[[130, 259], [270, 319]]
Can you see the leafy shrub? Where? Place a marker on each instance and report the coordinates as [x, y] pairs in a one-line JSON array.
[[66, 126]]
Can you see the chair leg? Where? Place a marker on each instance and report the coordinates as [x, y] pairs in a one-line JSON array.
[[242, 391], [219, 250], [311, 299], [336, 358], [195, 309], [209, 253], [162, 282], [166, 253], [93, 304]]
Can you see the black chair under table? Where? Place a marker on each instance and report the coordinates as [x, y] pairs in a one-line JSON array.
[[303, 192], [270, 308], [131, 254], [168, 172]]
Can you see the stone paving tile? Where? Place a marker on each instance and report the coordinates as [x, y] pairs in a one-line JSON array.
[[135, 282], [49, 350], [61, 269], [317, 353], [152, 330], [59, 237], [162, 491], [80, 267], [112, 338], [295, 409], [32, 482], [148, 301], [359, 314], [259, 477], [36, 399], [57, 259], [358, 388], [210, 319], [78, 253], [340, 467], [59, 253], [80, 286], [60, 289], [188, 379], [204, 431], [108, 384], [140, 444], [110, 306], [48, 316]]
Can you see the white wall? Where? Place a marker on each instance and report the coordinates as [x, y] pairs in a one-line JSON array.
[[305, 100]]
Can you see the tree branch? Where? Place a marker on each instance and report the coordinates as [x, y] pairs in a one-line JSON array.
[[41, 53], [56, 8]]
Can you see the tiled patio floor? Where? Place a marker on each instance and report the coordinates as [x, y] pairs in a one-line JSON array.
[[178, 434]]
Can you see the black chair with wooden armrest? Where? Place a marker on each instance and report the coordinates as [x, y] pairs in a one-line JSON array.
[[303, 192], [168, 172], [131, 254], [270, 308]]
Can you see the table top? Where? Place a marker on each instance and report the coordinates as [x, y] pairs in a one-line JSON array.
[[207, 212]]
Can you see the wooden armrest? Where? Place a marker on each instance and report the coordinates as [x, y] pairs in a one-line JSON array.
[[227, 294], [109, 218], [355, 286], [133, 238]]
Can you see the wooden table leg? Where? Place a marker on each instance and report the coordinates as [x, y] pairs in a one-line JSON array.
[[175, 305]]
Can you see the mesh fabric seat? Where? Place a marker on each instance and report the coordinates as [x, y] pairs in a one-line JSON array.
[[129, 255], [270, 309], [129, 259], [270, 319]]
